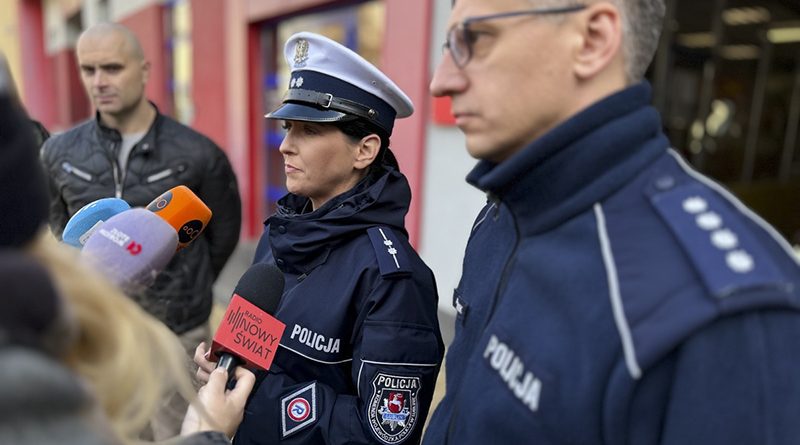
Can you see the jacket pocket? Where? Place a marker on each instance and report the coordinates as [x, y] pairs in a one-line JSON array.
[[166, 173], [400, 343], [75, 171]]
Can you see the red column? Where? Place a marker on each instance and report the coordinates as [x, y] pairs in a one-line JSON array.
[[69, 101], [405, 60], [39, 86], [209, 69], [253, 190]]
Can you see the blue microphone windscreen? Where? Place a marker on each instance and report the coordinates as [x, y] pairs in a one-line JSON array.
[[80, 226], [131, 248]]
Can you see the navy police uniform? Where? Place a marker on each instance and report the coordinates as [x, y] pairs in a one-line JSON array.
[[361, 351], [612, 295]]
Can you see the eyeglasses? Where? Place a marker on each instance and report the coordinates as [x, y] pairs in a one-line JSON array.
[[460, 38]]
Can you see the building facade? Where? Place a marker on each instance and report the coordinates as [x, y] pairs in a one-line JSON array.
[[726, 78]]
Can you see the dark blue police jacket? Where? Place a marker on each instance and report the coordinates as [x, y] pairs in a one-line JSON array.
[[612, 295], [361, 351]]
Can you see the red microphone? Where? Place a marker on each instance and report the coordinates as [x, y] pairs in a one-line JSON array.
[[248, 335], [184, 211]]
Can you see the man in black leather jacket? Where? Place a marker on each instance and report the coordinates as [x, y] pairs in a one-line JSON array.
[[131, 151]]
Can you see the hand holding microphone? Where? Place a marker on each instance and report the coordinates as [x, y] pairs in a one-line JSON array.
[[247, 335], [224, 409]]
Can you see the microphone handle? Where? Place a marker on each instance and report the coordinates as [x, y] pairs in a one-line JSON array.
[[229, 362]]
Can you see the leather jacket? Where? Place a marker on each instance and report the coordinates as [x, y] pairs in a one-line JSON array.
[[82, 167]]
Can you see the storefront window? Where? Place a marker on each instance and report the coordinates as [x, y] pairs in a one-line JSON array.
[[727, 80]]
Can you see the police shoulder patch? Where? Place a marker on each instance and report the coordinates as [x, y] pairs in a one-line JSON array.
[[717, 239], [299, 410], [393, 407], [391, 254]]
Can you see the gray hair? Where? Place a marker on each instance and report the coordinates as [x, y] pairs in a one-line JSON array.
[[642, 21]]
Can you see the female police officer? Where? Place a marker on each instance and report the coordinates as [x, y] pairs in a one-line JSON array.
[[362, 348]]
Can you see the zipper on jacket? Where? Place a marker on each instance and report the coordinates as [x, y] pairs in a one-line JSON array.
[[117, 179], [496, 201], [115, 170], [496, 300], [71, 169]]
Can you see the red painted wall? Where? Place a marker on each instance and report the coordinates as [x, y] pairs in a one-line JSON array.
[[442, 111], [148, 25], [209, 69], [39, 86], [253, 191], [405, 60], [70, 101], [258, 10]]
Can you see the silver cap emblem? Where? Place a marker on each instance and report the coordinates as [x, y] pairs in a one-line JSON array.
[[300, 53]]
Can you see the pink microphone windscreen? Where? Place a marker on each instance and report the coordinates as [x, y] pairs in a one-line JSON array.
[[131, 248]]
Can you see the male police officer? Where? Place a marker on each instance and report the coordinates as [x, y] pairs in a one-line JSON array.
[[610, 294]]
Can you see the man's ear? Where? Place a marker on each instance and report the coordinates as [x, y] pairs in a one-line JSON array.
[[145, 70], [366, 151], [601, 42]]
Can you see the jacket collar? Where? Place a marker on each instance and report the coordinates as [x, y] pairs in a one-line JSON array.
[[304, 240], [108, 134], [578, 163]]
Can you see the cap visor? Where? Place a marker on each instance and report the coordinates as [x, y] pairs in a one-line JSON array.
[[305, 113]]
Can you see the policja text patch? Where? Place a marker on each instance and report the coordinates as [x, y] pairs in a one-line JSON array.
[[393, 407]]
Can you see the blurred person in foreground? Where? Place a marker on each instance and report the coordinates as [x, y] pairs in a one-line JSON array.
[[610, 294], [80, 363], [40, 133], [125, 362], [359, 358], [131, 151]]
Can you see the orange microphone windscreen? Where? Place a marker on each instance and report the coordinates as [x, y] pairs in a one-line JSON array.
[[184, 211]]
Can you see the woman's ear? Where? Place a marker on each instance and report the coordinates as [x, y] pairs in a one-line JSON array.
[[366, 151]]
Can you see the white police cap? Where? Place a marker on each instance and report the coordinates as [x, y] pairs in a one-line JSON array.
[[331, 83]]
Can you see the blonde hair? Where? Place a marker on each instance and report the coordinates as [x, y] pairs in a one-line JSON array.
[[131, 361]]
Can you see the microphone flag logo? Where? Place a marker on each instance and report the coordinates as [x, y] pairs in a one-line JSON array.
[[161, 202], [134, 248], [249, 333], [190, 231]]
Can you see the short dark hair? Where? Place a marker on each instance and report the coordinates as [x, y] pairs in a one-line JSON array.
[[357, 129]]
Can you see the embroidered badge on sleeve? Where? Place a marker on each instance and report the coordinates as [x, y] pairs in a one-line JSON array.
[[392, 409], [299, 409]]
